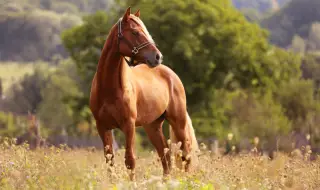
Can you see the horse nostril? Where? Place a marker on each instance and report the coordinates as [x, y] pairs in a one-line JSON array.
[[157, 57]]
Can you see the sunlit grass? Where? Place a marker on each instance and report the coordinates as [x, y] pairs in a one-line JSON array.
[[63, 168]]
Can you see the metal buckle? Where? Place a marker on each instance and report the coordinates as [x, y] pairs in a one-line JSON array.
[[135, 50]]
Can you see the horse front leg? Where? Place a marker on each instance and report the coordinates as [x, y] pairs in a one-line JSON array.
[[129, 132], [107, 140]]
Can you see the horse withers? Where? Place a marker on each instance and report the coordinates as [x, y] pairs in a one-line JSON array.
[[144, 95]]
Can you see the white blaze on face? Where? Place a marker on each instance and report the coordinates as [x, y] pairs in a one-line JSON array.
[[145, 31]]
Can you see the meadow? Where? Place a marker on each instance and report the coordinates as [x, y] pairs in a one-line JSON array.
[[63, 168]]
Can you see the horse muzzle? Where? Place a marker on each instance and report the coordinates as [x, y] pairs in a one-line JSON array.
[[153, 58]]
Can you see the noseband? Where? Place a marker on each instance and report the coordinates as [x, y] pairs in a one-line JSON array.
[[135, 49]]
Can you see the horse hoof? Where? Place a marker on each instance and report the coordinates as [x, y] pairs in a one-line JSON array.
[[165, 178], [110, 162], [132, 176]]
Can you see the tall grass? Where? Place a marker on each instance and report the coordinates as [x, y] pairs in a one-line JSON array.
[[63, 168]]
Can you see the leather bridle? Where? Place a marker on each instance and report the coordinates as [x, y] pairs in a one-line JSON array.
[[135, 49]]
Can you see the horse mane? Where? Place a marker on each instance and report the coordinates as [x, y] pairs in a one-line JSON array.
[[108, 45]]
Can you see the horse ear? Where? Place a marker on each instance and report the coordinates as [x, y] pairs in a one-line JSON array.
[[137, 14], [126, 14]]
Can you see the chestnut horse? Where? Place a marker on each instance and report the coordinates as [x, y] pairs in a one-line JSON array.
[[144, 95]]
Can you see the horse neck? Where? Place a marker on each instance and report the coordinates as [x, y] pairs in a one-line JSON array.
[[111, 68]]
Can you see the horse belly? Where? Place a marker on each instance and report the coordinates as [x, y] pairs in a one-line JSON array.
[[151, 105]]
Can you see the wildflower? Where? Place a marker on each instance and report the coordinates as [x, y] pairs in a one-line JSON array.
[[230, 136], [308, 137], [203, 146], [109, 156], [179, 144], [173, 184], [159, 185], [256, 140], [166, 150]]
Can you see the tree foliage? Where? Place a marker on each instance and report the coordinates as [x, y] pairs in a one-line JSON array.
[[55, 110], [46, 92], [25, 95]]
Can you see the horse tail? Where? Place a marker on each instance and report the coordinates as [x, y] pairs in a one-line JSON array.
[[190, 130]]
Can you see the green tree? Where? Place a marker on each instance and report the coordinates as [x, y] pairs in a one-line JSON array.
[[55, 111], [311, 69], [25, 96], [246, 114], [8, 126]]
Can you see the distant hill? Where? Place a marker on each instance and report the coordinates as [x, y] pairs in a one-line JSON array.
[[296, 18], [30, 30], [259, 5]]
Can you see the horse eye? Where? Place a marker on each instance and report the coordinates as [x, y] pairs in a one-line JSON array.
[[136, 33]]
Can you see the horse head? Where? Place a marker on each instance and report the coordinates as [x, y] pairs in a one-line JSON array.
[[135, 41]]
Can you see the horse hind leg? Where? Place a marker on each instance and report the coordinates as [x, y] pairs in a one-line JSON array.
[[155, 134], [181, 130]]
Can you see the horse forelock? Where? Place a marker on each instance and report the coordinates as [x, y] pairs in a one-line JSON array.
[[143, 26], [138, 21]]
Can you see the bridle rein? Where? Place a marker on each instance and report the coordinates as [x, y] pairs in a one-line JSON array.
[[135, 49]]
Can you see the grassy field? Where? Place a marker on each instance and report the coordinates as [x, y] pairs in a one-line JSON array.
[[57, 168]]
